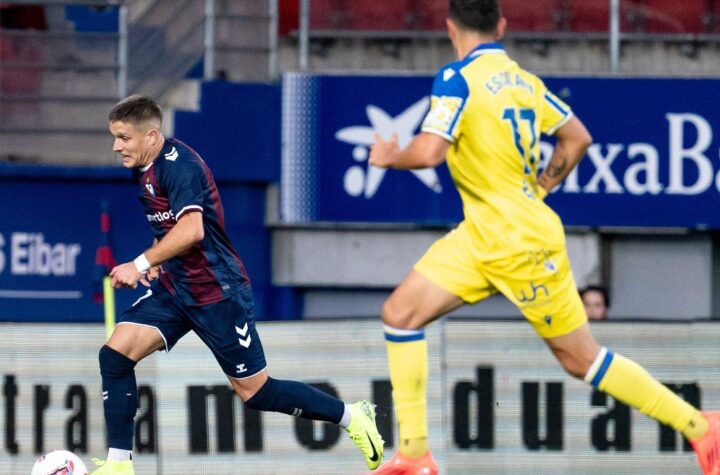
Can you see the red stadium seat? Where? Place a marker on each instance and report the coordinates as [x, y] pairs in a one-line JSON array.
[[328, 14], [432, 14], [594, 16], [712, 17], [20, 78], [685, 16], [289, 17], [534, 15], [589, 15], [385, 15]]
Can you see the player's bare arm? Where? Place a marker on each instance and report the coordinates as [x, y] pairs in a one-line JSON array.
[[425, 150], [187, 231], [573, 139]]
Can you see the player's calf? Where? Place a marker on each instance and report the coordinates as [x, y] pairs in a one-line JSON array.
[[120, 400]]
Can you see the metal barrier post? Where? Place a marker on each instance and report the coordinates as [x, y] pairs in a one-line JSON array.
[[274, 13], [615, 36], [209, 41], [304, 33], [122, 75]]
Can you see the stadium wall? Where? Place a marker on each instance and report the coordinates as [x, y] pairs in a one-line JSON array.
[[50, 232], [498, 402]]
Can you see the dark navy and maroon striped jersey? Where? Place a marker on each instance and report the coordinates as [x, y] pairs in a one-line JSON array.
[[177, 182]]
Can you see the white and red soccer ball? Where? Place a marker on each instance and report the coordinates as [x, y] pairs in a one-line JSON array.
[[59, 462]]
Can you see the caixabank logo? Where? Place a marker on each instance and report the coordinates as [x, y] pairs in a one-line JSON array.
[[362, 179]]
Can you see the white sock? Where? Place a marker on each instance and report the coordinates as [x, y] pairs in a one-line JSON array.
[[119, 455], [346, 418]]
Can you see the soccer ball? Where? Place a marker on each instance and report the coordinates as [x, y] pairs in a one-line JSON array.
[[59, 462]]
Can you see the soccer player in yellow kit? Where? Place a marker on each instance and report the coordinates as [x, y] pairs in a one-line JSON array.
[[485, 119]]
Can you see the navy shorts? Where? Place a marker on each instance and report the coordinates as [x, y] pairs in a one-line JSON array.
[[226, 327]]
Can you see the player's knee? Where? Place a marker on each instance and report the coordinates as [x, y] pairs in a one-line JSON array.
[[574, 366], [396, 316], [113, 362], [264, 399]]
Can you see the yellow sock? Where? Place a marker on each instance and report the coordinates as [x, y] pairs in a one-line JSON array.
[[414, 448], [408, 362], [629, 383], [697, 426]]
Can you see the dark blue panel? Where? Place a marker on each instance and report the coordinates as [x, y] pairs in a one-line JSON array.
[[97, 19], [244, 218], [237, 130]]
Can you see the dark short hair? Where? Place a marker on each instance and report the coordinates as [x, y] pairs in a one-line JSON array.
[[599, 289], [478, 15], [135, 110]]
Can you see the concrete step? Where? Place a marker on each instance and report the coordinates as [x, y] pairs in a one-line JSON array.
[[59, 148], [241, 32], [242, 7], [40, 114], [243, 65], [166, 12], [54, 82]]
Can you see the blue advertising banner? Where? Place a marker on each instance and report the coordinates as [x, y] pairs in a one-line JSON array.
[[654, 161], [50, 233]]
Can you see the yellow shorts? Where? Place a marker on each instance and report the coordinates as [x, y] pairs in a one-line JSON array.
[[539, 282]]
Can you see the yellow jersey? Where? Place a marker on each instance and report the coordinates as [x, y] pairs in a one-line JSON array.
[[493, 112]]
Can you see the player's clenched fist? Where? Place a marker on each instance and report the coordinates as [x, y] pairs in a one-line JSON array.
[[384, 154], [125, 275]]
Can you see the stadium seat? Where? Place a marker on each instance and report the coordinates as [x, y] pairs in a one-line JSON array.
[[634, 16], [685, 16], [536, 15], [16, 56], [395, 15], [289, 17], [432, 14], [588, 15], [22, 17], [594, 16], [712, 17], [21, 57], [328, 14]]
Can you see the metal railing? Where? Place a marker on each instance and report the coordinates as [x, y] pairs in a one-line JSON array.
[[617, 13]]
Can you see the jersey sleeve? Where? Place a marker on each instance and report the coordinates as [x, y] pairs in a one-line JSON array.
[[450, 93], [555, 113], [185, 183]]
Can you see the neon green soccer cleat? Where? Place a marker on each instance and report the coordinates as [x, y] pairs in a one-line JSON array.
[[364, 433], [112, 467]]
